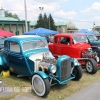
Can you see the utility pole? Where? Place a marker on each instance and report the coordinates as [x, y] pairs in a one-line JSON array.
[[49, 21], [25, 15], [93, 26]]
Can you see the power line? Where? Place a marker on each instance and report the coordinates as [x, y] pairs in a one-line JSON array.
[[55, 17], [65, 9]]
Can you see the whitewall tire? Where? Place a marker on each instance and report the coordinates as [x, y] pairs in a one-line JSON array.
[[40, 86]]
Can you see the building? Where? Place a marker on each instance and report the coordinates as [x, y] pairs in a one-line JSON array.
[[66, 27], [11, 24], [62, 27], [96, 28], [32, 24]]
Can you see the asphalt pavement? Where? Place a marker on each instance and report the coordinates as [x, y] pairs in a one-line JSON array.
[[92, 92]]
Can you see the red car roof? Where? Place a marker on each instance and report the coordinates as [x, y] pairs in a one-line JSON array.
[[70, 34]]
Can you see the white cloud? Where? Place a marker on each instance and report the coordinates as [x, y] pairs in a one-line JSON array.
[[33, 10], [54, 8], [94, 8], [88, 24], [65, 15], [95, 18]]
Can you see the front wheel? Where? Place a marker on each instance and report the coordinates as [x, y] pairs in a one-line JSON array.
[[91, 66], [40, 86], [77, 71]]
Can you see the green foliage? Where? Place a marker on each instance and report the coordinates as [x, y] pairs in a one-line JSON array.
[[45, 22], [3, 26], [52, 23], [7, 14], [39, 21]]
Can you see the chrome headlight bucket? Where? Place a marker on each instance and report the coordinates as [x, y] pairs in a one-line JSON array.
[[52, 68], [75, 62], [97, 58]]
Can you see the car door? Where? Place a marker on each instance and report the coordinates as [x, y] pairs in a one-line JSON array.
[[56, 48], [17, 61], [65, 46]]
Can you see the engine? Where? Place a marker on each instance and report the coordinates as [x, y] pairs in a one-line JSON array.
[[89, 54], [49, 58], [47, 64]]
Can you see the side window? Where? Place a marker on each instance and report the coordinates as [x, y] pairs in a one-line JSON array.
[[56, 40], [64, 40], [14, 46]]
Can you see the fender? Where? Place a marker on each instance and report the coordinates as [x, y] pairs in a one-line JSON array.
[[75, 62], [42, 74], [3, 61]]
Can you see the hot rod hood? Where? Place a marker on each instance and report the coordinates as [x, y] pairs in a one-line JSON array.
[[82, 46], [37, 54]]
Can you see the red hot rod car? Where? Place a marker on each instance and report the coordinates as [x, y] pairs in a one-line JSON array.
[[76, 46]]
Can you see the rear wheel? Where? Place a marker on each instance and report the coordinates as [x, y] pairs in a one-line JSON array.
[[77, 71], [40, 86], [91, 66]]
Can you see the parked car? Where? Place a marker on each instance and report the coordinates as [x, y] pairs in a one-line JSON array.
[[75, 46], [97, 36], [28, 55], [94, 42]]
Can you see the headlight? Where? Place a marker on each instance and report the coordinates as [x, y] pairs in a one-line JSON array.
[[97, 59], [75, 62], [52, 68]]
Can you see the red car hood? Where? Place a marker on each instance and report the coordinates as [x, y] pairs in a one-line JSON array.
[[82, 46]]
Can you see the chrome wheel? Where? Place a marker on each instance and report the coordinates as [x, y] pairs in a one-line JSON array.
[[89, 66], [38, 85], [41, 86]]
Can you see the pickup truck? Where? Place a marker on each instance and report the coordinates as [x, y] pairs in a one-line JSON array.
[[76, 46]]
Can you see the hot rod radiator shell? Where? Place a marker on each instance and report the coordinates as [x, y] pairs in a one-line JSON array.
[[63, 68]]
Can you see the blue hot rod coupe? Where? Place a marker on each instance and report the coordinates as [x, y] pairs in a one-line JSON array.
[[28, 55]]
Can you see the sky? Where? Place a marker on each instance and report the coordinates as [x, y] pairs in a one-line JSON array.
[[83, 13]]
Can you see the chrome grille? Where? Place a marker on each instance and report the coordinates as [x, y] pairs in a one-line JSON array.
[[65, 69]]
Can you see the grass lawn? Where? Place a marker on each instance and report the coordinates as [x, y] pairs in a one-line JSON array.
[[57, 92]]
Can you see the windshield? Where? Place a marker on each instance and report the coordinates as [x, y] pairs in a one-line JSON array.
[[92, 38], [77, 39], [30, 45]]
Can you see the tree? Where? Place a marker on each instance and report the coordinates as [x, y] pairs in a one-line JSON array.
[[51, 23], [3, 27], [7, 14], [39, 22], [45, 21]]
